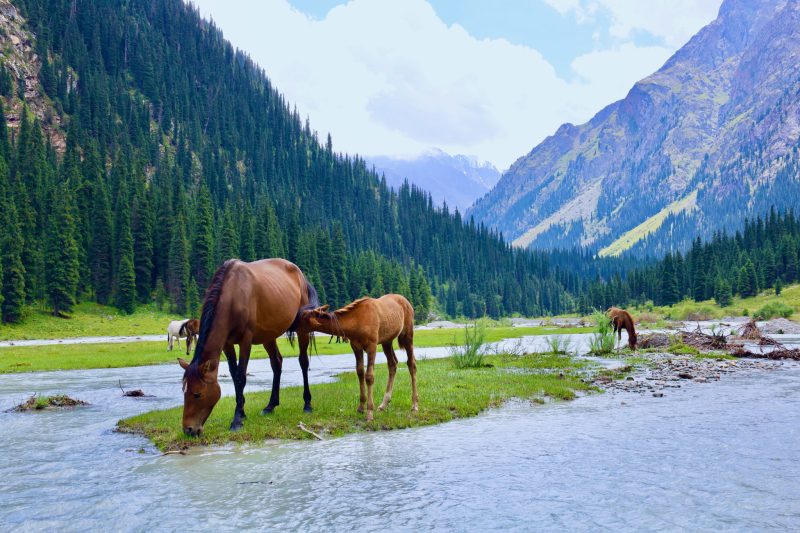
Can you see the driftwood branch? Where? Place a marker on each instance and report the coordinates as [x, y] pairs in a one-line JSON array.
[[302, 427]]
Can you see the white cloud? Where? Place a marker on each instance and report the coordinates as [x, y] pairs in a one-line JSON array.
[[672, 21], [390, 78]]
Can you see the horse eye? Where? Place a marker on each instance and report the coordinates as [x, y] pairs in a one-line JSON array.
[[196, 395]]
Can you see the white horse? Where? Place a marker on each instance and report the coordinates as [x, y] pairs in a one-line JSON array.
[[176, 331]]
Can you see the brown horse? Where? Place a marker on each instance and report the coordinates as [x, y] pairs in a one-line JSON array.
[[245, 304], [190, 329], [366, 323], [621, 319]]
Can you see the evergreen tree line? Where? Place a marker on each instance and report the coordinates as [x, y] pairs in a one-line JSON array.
[[764, 254], [179, 154]]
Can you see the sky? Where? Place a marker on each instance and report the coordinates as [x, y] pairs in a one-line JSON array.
[[486, 78]]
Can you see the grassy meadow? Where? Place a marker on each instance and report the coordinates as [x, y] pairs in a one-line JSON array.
[[116, 355], [445, 393]]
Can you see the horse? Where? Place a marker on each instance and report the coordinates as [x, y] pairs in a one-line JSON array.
[[621, 319], [189, 329], [366, 323], [245, 304], [175, 332]]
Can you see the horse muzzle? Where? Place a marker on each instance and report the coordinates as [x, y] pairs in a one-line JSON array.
[[192, 431]]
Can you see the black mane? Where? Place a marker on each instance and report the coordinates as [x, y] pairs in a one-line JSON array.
[[209, 308]]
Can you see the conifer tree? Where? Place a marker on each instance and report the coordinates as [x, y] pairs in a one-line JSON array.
[[61, 259], [142, 231], [178, 269], [100, 250], [126, 274], [203, 241], [11, 265], [669, 282], [229, 238]]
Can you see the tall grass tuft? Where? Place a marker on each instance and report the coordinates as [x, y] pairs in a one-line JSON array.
[[602, 340], [559, 345], [471, 353]]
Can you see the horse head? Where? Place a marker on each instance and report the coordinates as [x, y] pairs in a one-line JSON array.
[[201, 392], [316, 318]]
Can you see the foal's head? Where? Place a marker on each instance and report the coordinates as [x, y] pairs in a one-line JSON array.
[[201, 392], [313, 319]]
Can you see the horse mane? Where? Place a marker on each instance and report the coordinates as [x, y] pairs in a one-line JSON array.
[[349, 307], [182, 329], [209, 309]]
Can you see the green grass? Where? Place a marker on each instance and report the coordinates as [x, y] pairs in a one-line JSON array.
[[445, 393], [88, 320], [602, 341], [690, 309], [115, 355], [472, 351]]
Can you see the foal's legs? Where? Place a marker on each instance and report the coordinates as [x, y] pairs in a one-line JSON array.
[[362, 399], [407, 343], [303, 342], [391, 361], [276, 362], [370, 378]]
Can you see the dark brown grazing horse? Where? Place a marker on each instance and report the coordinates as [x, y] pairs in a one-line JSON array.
[[366, 323], [245, 304], [190, 329], [621, 319]]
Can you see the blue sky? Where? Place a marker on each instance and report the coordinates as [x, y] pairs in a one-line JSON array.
[[489, 78]]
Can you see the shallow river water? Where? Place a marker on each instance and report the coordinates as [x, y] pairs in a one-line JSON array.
[[722, 455]]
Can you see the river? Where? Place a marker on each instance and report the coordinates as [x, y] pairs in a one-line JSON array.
[[722, 455]]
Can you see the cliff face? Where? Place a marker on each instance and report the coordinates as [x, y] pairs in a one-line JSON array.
[[19, 59], [719, 121]]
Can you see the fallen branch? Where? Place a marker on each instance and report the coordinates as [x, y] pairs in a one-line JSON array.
[[138, 393], [302, 427], [174, 452]]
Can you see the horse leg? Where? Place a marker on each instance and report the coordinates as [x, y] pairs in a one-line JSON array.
[[188, 345], [303, 342], [391, 361], [407, 343], [276, 362], [362, 399], [233, 367], [370, 379]]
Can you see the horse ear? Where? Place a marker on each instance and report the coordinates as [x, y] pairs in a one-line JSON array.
[[208, 366], [184, 364], [324, 307]]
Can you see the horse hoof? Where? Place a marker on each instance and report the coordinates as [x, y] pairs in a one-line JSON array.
[[268, 410], [236, 425], [370, 418], [360, 409], [308, 409]]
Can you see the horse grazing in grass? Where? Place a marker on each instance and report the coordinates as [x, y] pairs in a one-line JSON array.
[[175, 332], [621, 319], [366, 323], [245, 304], [190, 329]]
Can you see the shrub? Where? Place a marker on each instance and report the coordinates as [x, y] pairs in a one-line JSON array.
[[471, 353], [772, 310]]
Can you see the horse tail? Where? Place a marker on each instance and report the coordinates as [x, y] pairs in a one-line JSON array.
[[313, 303], [210, 306]]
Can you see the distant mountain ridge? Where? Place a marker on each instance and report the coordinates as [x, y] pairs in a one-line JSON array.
[[457, 180], [710, 138]]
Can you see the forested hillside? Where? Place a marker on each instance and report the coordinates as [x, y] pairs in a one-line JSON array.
[[138, 150], [763, 255]]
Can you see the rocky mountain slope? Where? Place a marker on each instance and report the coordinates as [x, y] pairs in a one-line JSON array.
[[457, 180], [710, 138]]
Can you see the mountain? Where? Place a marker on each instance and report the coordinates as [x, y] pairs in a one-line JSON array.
[[709, 139], [139, 149], [457, 180]]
